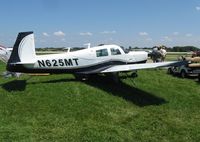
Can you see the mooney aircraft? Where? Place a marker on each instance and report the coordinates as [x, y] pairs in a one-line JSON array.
[[92, 60]]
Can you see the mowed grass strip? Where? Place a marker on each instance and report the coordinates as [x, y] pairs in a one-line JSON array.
[[155, 107]]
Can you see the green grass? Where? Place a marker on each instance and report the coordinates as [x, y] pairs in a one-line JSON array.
[[158, 107], [173, 56]]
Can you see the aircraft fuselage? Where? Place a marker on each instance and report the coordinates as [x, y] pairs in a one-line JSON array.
[[88, 60]]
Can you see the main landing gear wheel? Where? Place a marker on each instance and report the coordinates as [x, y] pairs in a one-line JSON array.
[[81, 77], [115, 77], [134, 74]]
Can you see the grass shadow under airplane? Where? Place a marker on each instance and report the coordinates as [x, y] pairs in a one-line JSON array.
[[15, 85], [129, 93]]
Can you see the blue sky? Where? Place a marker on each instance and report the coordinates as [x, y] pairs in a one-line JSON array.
[[58, 23]]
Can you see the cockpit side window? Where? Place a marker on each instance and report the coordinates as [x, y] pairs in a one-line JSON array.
[[115, 51], [101, 52]]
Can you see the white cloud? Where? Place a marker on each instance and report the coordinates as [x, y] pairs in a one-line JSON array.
[[198, 8], [188, 35], [45, 34], [63, 40], [86, 34], [43, 41], [143, 34], [109, 32], [175, 33], [149, 39], [59, 33], [167, 38]]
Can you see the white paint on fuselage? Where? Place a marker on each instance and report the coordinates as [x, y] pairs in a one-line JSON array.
[[85, 58]]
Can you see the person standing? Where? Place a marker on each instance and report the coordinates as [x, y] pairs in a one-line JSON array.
[[163, 53]]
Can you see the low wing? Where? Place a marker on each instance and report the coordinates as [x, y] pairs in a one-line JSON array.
[[130, 67]]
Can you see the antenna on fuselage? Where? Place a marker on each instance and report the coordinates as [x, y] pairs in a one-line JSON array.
[[68, 49], [88, 45]]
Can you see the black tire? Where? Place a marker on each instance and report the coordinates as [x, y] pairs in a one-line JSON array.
[[114, 77], [80, 77], [199, 77], [183, 74], [169, 71]]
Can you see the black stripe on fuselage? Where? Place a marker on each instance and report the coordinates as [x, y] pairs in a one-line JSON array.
[[84, 70]]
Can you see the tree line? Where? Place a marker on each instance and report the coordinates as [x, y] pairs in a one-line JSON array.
[[169, 49], [183, 49]]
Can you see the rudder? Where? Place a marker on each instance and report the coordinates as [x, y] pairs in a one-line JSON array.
[[24, 49]]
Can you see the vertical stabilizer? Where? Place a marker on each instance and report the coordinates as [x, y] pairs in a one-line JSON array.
[[24, 49]]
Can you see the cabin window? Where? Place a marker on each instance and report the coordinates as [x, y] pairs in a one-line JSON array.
[[115, 51], [102, 52]]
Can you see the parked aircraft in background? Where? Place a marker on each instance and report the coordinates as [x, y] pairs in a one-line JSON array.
[[5, 53], [4, 57], [93, 60]]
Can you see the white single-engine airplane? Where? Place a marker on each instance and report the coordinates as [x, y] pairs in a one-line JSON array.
[[101, 59]]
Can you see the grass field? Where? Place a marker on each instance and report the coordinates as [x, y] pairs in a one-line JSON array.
[[173, 56], [157, 107]]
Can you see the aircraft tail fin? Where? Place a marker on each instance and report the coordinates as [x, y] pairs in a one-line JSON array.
[[24, 49]]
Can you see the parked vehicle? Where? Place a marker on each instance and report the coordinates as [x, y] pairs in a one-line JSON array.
[[190, 69]]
